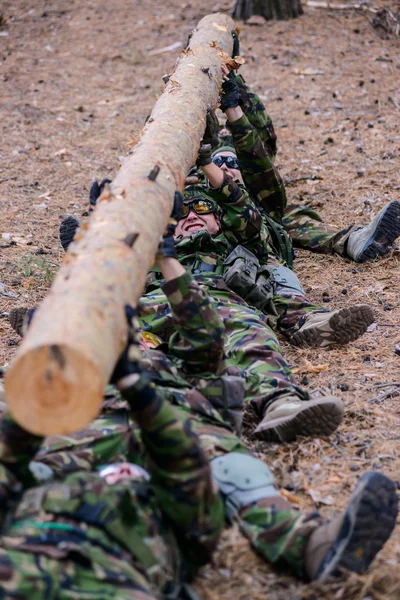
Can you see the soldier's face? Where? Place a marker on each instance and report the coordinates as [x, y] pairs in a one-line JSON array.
[[194, 222], [234, 173]]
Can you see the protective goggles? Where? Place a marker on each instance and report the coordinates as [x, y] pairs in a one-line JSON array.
[[199, 205], [230, 161]]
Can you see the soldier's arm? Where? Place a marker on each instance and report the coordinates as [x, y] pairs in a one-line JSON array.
[[17, 448], [259, 173], [241, 220], [199, 331], [254, 110], [179, 470]]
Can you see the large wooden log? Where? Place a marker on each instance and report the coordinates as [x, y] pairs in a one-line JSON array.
[[55, 385]]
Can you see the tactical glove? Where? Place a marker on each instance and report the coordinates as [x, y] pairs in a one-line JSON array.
[[95, 191], [230, 92], [166, 247], [236, 44], [136, 390], [204, 156], [212, 128]]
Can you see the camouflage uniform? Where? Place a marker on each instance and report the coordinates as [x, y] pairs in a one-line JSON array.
[[304, 225], [195, 355], [81, 538]]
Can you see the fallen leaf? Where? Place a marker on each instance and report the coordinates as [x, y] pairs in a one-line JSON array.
[[318, 499], [290, 497], [307, 367]]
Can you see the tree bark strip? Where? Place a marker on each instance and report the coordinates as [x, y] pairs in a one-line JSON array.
[[56, 383]]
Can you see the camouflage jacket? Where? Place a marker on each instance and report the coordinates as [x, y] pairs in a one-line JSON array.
[[151, 525]]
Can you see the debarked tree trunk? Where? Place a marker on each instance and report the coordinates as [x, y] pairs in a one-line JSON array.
[[56, 382]]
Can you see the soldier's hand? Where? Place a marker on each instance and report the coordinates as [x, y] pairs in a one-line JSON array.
[[230, 92], [128, 366], [204, 156], [95, 191], [166, 246], [212, 128], [236, 43]]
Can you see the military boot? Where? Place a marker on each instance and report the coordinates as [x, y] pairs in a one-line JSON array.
[[352, 540], [68, 229], [342, 326], [374, 239], [288, 417]]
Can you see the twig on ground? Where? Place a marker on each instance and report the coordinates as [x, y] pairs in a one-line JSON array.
[[305, 178]]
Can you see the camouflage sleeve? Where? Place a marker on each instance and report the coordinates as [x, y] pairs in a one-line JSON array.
[[200, 332], [254, 110], [260, 176], [17, 448], [181, 475], [241, 220]]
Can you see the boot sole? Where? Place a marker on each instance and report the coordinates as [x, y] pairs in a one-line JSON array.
[[67, 231], [346, 325], [319, 418], [16, 319], [368, 523], [386, 232]]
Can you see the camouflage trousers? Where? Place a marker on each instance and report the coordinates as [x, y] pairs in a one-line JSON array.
[[307, 230], [276, 531], [28, 575], [251, 346]]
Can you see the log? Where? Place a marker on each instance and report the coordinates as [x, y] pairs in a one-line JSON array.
[[55, 384]]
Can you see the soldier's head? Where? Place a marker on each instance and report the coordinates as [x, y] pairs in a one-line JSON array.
[[200, 212], [225, 158], [120, 471]]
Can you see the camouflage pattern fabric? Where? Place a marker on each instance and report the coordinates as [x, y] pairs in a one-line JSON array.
[[130, 534], [252, 350], [304, 225], [307, 230]]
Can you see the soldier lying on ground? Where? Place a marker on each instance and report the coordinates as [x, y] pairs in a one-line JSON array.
[[305, 544], [124, 532], [252, 139]]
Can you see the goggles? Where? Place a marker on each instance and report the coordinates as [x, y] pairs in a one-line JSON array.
[[230, 161], [136, 472], [151, 338], [199, 205]]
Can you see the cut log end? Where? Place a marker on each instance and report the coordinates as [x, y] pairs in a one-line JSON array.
[[65, 390]]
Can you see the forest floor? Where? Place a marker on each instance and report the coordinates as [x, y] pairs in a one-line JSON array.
[[78, 77]]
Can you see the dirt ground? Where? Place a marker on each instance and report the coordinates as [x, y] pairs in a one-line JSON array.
[[78, 78]]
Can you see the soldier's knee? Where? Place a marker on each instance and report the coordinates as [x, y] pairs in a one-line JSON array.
[[242, 480]]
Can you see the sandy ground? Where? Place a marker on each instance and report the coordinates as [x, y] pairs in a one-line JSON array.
[[78, 78]]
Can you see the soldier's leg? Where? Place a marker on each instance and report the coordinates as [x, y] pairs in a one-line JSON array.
[[310, 547], [306, 324], [307, 230], [253, 351]]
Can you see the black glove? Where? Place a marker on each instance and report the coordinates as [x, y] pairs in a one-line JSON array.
[[236, 44], [212, 128], [95, 191], [128, 362], [204, 156], [166, 247], [230, 93]]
